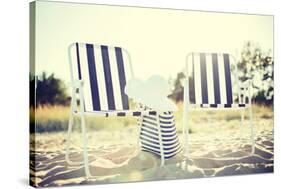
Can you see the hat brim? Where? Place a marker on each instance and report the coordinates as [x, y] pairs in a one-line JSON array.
[[162, 104]]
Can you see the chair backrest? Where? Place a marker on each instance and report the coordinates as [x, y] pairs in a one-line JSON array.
[[104, 70], [210, 78]]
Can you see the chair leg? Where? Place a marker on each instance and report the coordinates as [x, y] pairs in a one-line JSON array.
[[160, 140], [68, 138], [70, 124], [185, 134], [139, 129], [241, 125], [252, 130], [85, 145]]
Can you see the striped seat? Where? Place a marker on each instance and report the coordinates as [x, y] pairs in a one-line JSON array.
[[154, 139], [218, 105], [123, 113], [210, 84], [104, 71]]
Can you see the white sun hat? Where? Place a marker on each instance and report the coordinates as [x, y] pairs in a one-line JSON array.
[[151, 93]]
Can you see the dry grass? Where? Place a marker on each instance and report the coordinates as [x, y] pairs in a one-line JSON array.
[[45, 113], [213, 120], [55, 118]]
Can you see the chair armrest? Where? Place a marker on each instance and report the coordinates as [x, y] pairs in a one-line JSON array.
[[76, 84], [245, 90], [246, 84]]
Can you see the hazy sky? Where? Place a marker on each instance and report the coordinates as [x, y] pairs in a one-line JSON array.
[[157, 39]]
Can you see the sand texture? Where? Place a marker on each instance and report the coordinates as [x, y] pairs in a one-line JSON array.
[[115, 156]]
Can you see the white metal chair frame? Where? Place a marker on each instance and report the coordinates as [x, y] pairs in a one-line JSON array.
[[78, 84], [246, 92]]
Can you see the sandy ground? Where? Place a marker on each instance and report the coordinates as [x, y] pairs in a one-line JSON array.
[[115, 157]]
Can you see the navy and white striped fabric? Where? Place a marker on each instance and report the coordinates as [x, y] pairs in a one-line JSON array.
[[103, 70], [211, 81], [135, 113], [149, 134]]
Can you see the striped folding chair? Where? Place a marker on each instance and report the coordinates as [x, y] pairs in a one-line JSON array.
[[98, 78], [210, 85]]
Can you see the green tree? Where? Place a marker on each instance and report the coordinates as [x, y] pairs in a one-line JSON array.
[[177, 91], [50, 90], [257, 65]]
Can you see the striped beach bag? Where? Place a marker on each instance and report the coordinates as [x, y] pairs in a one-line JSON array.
[[158, 134]]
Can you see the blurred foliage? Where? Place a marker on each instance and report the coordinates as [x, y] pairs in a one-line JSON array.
[[257, 65], [177, 91], [49, 90]]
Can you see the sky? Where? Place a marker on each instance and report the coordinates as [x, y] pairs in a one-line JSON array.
[[158, 40]]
